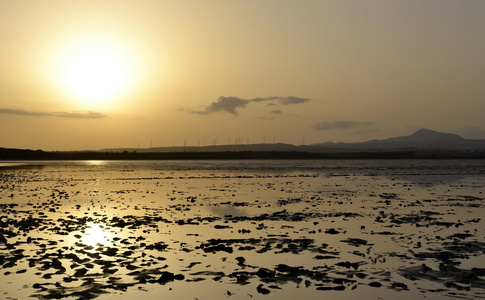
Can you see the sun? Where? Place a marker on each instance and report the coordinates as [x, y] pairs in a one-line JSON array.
[[95, 73]]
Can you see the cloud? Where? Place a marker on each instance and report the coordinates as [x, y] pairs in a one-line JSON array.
[[78, 115], [227, 104], [276, 111], [232, 104], [293, 100], [282, 100], [71, 115], [340, 125]]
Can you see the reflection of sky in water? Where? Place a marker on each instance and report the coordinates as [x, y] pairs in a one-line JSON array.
[[138, 216], [95, 162], [224, 210]]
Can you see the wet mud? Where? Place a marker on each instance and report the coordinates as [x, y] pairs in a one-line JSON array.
[[90, 231]]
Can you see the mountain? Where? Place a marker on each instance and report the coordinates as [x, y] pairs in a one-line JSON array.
[[421, 139]]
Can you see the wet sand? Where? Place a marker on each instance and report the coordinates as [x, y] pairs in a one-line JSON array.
[[240, 230]]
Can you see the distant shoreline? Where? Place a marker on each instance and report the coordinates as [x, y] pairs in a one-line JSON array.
[[423, 144], [18, 154]]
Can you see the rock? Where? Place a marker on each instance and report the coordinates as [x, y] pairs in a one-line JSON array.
[[240, 260], [332, 231], [348, 265], [262, 290], [110, 251], [375, 284], [399, 286], [330, 288], [81, 272], [179, 277], [217, 226], [319, 257], [266, 273], [166, 277]]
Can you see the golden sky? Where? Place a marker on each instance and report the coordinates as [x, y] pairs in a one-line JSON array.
[[81, 75]]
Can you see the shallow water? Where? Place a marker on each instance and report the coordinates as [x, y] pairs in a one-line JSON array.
[[242, 229]]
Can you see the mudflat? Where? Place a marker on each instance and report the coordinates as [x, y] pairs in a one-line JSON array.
[[373, 229]]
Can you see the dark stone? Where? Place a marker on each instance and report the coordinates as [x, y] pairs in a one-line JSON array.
[[166, 277], [266, 273], [262, 290], [240, 260], [332, 231]]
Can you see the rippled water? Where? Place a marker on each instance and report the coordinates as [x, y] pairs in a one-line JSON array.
[[241, 229]]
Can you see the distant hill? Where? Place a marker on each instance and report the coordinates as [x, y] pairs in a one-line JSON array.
[[222, 148], [424, 143], [421, 139], [25, 154]]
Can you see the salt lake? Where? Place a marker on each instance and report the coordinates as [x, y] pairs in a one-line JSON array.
[[241, 229]]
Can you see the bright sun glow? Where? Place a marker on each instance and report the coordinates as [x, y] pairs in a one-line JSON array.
[[96, 72], [94, 235]]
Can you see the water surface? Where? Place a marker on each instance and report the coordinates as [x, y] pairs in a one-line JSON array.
[[241, 229]]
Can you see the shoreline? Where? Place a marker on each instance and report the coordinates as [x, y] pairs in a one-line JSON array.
[[17, 154]]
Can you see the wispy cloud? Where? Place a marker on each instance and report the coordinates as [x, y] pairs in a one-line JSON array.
[[78, 115], [282, 100], [340, 125], [72, 115], [275, 111], [232, 104]]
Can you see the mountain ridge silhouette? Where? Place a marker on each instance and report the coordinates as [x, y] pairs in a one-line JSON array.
[[421, 139]]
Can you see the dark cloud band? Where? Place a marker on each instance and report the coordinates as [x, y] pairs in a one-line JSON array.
[[232, 104], [72, 115]]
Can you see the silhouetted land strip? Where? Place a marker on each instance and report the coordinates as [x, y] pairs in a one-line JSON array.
[[20, 154], [423, 144]]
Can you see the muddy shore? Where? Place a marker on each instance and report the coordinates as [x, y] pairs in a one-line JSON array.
[[225, 230]]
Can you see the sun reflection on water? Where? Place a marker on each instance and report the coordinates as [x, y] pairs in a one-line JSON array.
[[95, 162], [95, 235]]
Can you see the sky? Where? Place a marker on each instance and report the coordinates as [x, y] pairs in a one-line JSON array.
[[89, 75]]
